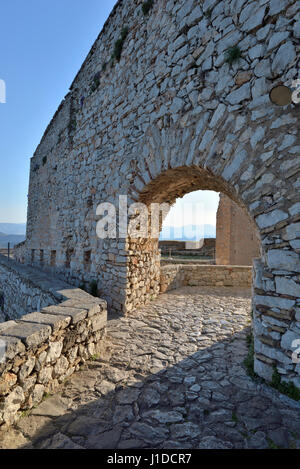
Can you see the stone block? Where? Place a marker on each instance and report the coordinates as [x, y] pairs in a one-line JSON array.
[[30, 334], [76, 314], [287, 286], [11, 404], [55, 321], [263, 369], [99, 322], [273, 302], [13, 347], [283, 259]]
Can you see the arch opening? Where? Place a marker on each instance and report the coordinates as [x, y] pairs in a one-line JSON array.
[[144, 258]]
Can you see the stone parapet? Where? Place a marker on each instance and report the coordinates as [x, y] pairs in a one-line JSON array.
[[43, 348]]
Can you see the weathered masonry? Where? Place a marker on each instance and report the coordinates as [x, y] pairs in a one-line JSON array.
[[183, 105], [44, 341]]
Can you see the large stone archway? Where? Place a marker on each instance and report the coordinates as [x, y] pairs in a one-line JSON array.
[[171, 111], [142, 254]]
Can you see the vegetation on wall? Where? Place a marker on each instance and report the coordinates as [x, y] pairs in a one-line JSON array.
[[118, 47], [119, 44], [249, 360], [208, 13], [72, 125], [93, 288], [232, 54], [289, 389], [96, 82], [146, 7]]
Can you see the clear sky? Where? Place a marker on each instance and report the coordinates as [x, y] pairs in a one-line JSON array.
[[195, 208], [43, 44]]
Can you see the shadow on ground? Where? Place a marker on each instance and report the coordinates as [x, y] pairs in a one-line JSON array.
[[205, 400]]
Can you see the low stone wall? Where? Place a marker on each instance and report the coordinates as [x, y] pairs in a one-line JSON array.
[[179, 261], [22, 290], [42, 349], [176, 276]]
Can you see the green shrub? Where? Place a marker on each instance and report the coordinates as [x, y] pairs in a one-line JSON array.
[[146, 7], [208, 13], [96, 82], [94, 288], [119, 44], [289, 389], [72, 125], [249, 360], [232, 54]]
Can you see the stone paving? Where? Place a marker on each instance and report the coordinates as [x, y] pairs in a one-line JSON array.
[[171, 377]]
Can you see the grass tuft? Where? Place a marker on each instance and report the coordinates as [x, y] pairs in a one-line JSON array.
[[96, 82], [93, 288], [289, 389], [119, 44], [232, 54], [249, 360], [146, 7]]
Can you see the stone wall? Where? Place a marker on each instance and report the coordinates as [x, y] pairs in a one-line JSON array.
[[171, 114], [41, 349], [237, 240], [177, 276], [276, 320], [22, 290], [179, 260]]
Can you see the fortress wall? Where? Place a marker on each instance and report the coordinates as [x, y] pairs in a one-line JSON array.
[[170, 117]]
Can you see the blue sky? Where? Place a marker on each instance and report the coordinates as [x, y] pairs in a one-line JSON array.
[[43, 45], [195, 208]]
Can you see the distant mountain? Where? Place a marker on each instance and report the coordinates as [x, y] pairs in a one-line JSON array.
[[13, 228], [12, 233], [187, 233], [12, 239]]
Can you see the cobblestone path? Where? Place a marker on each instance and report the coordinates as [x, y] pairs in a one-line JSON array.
[[171, 377]]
